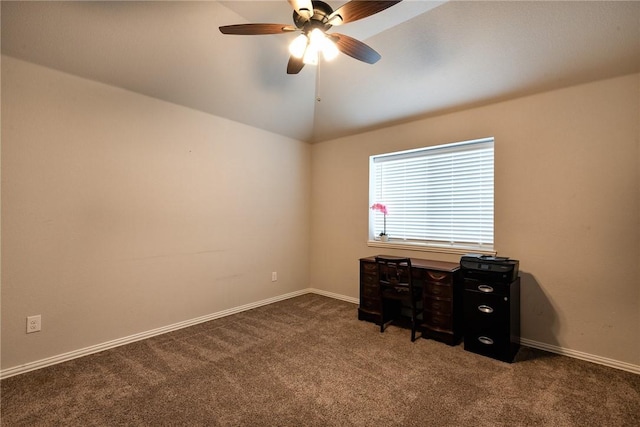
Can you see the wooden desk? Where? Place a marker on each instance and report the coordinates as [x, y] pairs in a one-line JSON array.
[[442, 296]]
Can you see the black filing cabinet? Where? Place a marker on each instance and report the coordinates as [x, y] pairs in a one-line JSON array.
[[491, 306]]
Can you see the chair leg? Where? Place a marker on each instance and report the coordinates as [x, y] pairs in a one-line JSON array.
[[414, 322], [413, 333]]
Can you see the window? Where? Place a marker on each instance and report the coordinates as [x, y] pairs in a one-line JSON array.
[[437, 197]]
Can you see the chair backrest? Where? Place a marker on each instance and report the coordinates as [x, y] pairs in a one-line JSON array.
[[394, 272]]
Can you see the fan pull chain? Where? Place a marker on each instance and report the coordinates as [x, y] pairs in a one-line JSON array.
[[318, 98]]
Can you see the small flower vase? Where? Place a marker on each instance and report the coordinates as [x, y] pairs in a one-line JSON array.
[[384, 238]]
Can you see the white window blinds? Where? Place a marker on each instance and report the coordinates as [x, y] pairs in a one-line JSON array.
[[441, 196]]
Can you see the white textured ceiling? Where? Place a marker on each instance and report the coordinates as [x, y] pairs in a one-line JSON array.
[[436, 56]]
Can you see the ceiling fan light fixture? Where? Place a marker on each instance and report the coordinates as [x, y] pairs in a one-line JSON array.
[[335, 20], [316, 37], [305, 13], [329, 49], [319, 42], [311, 55], [309, 46], [298, 46]]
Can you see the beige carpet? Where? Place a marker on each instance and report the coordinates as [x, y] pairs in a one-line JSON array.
[[308, 361]]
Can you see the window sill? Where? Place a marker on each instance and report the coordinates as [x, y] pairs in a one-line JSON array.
[[423, 247]]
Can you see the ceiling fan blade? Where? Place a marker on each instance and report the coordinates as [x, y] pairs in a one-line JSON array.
[[303, 7], [256, 29], [295, 65], [358, 9], [355, 48]]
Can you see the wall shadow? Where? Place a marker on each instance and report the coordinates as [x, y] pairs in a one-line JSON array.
[[539, 319]]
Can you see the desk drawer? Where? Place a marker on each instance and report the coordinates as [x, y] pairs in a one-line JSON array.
[[439, 277], [370, 304], [441, 290], [438, 321], [369, 268], [370, 291], [439, 306], [369, 279]]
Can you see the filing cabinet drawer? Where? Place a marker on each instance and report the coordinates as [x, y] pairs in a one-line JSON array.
[[494, 345], [491, 311], [486, 288]]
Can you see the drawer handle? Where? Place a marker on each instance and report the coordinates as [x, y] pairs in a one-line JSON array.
[[485, 288], [485, 309], [485, 340]]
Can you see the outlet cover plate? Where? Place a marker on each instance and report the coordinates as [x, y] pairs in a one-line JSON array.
[[34, 324]]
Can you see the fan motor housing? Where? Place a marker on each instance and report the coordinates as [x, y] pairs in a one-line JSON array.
[[321, 13]]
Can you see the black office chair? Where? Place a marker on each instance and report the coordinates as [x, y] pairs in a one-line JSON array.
[[397, 290]]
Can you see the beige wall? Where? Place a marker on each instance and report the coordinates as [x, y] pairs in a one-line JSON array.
[[567, 197], [122, 213]]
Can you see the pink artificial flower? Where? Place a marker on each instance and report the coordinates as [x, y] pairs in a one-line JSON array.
[[379, 207]]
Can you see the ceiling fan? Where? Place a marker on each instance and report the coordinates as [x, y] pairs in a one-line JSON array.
[[313, 18]]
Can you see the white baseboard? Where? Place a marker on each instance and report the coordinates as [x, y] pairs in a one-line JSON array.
[[38, 364], [334, 296], [32, 366], [612, 363]]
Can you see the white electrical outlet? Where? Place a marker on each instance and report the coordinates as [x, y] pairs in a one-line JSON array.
[[274, 276], [34, 324]]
